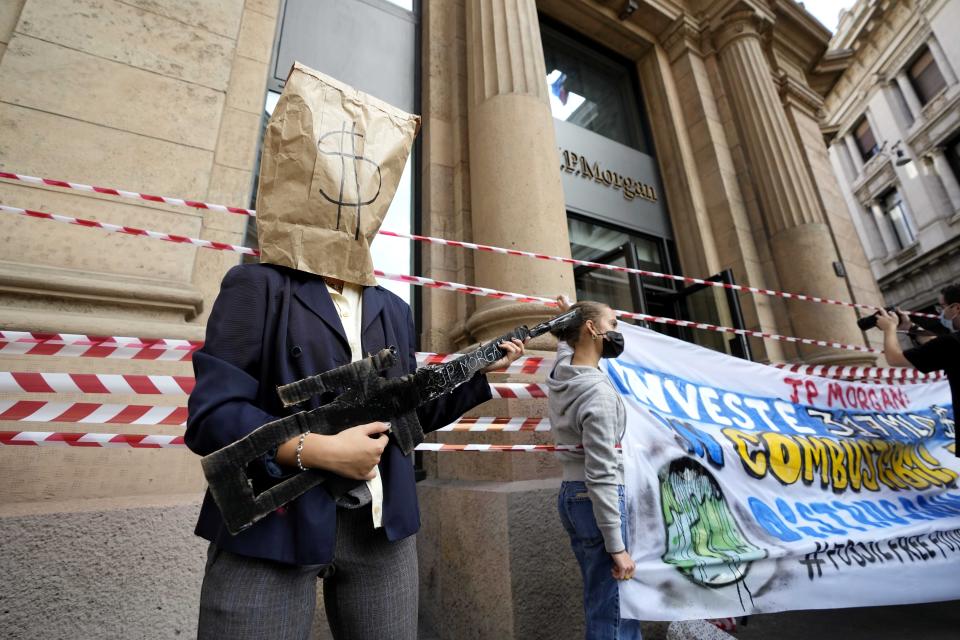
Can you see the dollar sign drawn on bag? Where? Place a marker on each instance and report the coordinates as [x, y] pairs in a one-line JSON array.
[[356, 161]]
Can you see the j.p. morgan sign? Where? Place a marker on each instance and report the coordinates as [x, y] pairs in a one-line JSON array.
[[609, 181], [579, 165]]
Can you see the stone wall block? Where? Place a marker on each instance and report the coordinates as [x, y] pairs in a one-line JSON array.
[[49, 146], [218, 16], [238, 139], [117, 31], [61, 81], [256, 37], [248, 85], [45, 242]]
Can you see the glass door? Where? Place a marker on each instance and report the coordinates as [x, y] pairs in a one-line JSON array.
[[713, 305], [651, 295]]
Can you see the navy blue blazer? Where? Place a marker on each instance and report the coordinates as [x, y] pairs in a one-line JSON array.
[[270, 326]]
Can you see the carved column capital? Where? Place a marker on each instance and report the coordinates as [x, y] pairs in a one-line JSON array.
[[743, 22]]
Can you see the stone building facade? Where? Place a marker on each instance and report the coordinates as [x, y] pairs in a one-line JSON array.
[[894, 124], [687, 140]]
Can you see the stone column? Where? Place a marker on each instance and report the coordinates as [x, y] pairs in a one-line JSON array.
[[947, 177], [489, 522], [909, 94], [516, 196], [886, 233], [855, 156], [942, 62], [800, 240]]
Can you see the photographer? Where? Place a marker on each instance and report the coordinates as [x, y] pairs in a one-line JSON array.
[[942, 352]]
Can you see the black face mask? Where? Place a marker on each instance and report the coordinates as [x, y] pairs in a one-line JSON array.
[[612, 344]]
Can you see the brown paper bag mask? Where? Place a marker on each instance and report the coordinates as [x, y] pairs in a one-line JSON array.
[[332, 158]]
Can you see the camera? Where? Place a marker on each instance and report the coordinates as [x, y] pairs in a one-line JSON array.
[[869, 322]]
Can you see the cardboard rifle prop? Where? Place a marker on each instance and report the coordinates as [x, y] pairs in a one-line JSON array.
[[363, 396]]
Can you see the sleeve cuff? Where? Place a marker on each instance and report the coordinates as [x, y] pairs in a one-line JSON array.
[[274, 469], [612, 539]]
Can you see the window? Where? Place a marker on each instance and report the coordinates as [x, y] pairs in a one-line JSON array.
[[952, 151], [866, 142], [925, 76], [896, 216], [592, 88]]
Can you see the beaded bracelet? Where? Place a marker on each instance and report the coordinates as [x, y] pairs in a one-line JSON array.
[[303, 437]]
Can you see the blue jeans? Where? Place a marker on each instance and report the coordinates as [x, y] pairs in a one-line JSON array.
[[601, 595]]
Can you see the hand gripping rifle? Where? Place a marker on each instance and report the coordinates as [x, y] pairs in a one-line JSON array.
[[363, 395]]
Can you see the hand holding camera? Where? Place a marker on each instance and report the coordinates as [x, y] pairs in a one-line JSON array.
[[889, 319]]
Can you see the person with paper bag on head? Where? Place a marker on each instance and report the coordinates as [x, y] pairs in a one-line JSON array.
[[332, 157]]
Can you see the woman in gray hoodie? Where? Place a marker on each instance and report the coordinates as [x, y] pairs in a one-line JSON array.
[[585, 409]]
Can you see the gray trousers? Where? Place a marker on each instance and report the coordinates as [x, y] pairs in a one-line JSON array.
[[370, 592]]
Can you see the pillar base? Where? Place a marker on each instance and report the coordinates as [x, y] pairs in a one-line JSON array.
[[502, 567], [804, 256], [114, 567], [493, 321]]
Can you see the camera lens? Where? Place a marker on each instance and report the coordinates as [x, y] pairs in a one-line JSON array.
[[867, 323]]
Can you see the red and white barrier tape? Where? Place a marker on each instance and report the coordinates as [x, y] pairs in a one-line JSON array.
[[640, 272], [499, 424], [883, 374], [30, 382], [518, 390], [44, 382], [115, 347], [455, 243], [109, 191], [52, 438], [440, 284], [223, 246], [14, 343], [130, 231], [746, 332], [436, 446], [148, 415], [90, 413]]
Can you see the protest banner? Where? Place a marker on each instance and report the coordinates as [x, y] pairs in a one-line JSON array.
[[752, 489]]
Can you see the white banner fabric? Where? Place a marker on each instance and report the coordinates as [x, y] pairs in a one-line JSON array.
[[751, 489]]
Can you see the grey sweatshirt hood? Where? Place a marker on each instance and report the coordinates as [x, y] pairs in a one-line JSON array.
[[585, 409], [568, 382]]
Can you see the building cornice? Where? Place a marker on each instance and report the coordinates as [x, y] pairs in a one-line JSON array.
[[912, 39], [795, 92], [920, 265], [113, 290], [846, 105], [829, 69], [798, 32], [632, 37], [860, 20]]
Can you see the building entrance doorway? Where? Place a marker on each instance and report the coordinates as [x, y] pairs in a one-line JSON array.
[[652, 295]]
